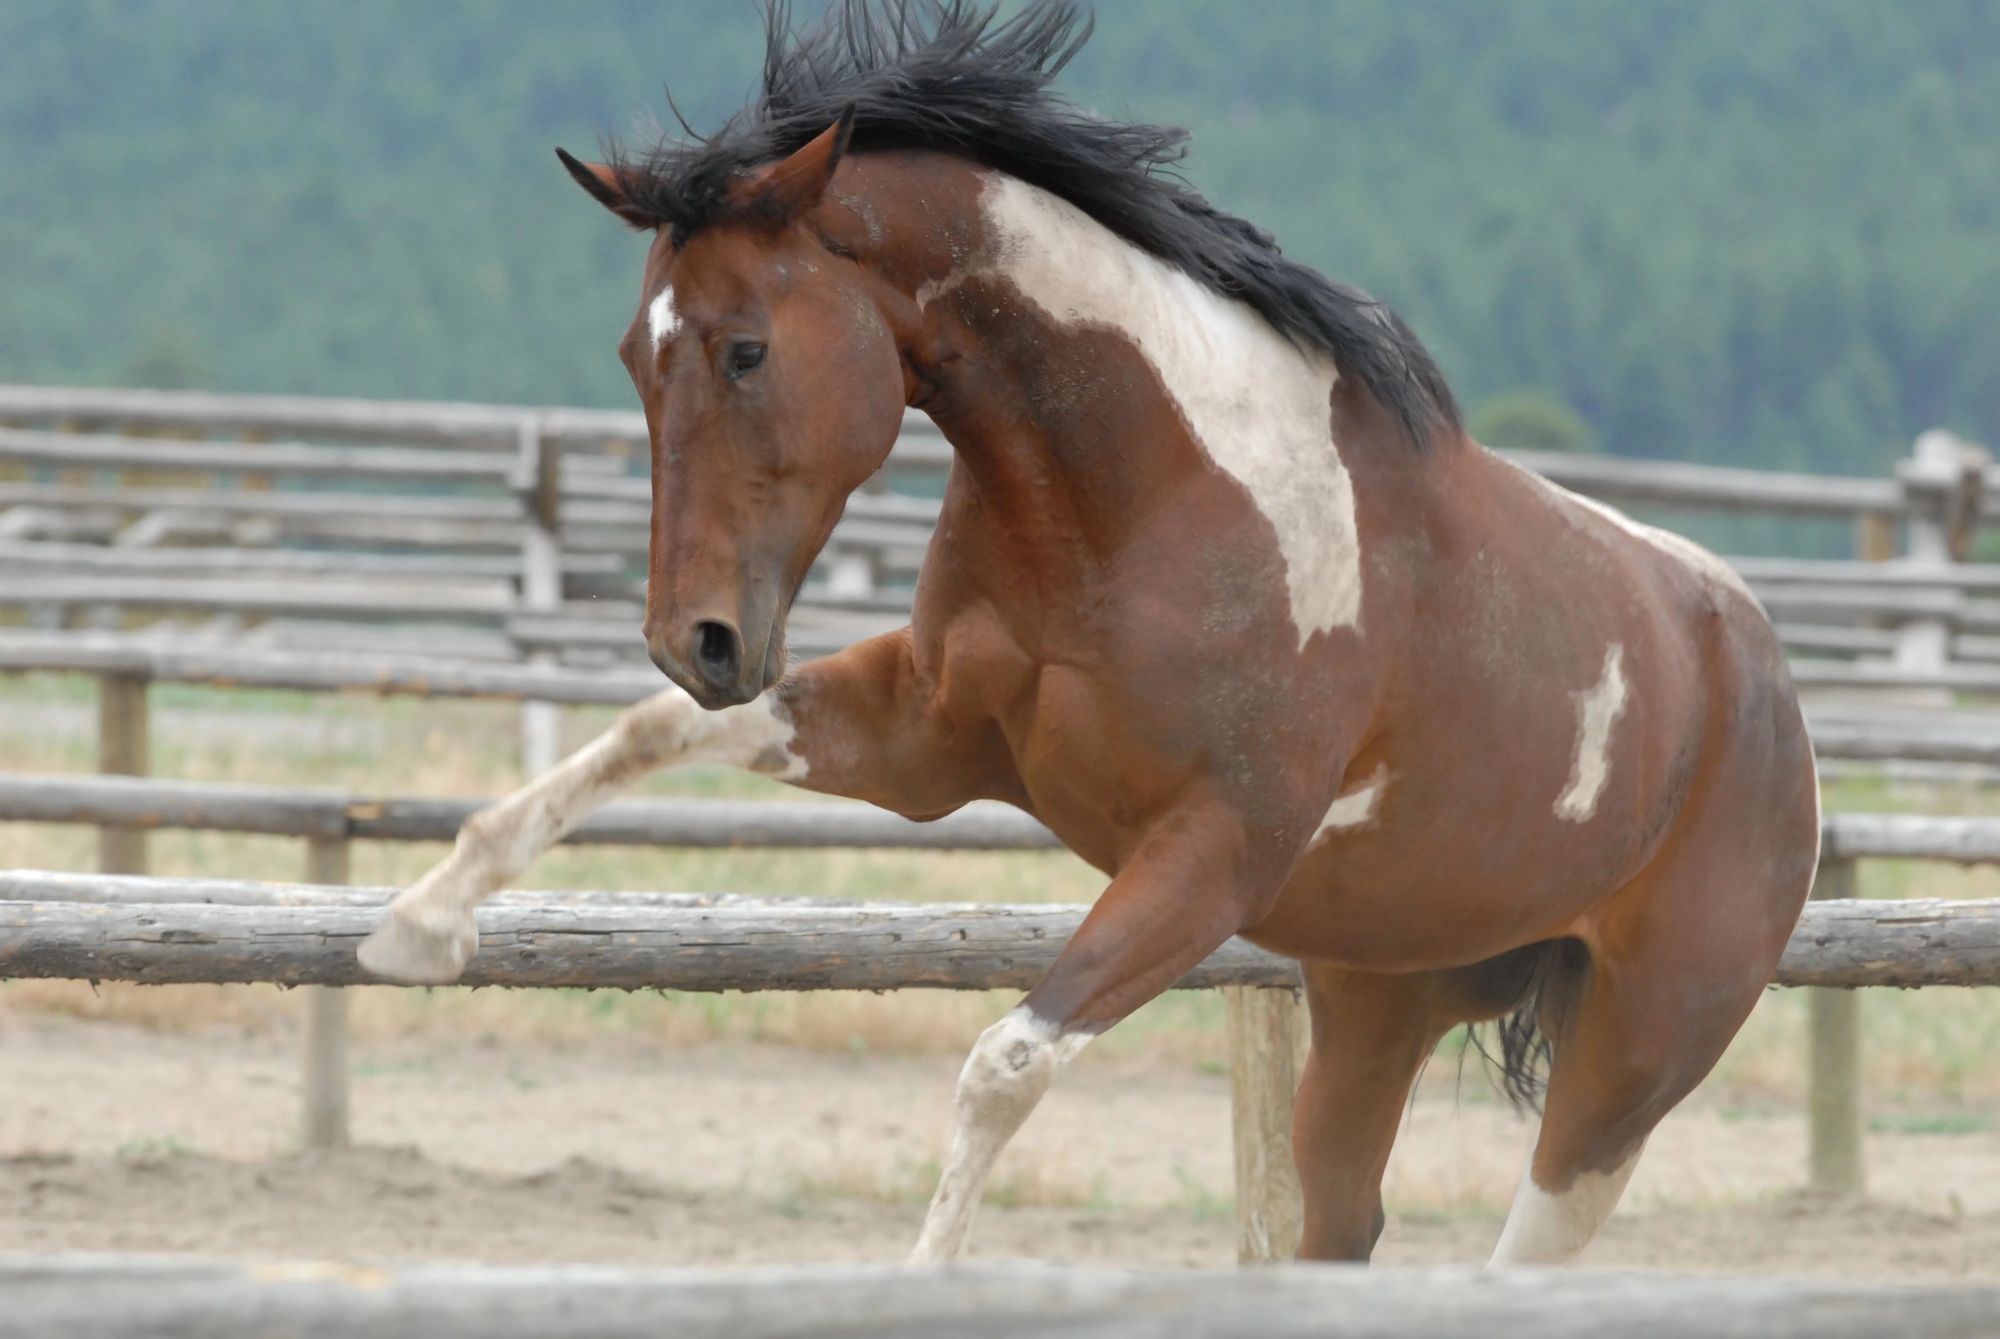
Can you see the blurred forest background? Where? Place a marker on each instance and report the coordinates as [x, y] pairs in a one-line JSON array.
[[1761, 234]]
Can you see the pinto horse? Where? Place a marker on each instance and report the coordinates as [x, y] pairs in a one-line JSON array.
[[1221, 592]]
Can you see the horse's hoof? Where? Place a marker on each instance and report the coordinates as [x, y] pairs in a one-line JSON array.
[[402, 950]]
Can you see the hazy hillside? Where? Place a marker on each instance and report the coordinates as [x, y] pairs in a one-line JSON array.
[[1765, 233]]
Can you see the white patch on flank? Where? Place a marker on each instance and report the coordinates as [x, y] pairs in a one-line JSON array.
[[1356, 807], [1260, 406], [661, 318], [1546, 1229], [1597, 710], [1011, 1066]]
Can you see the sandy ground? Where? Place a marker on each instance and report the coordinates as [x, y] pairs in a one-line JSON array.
[[622, 1152]]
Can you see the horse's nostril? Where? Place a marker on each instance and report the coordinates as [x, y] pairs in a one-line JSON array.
[[717, 654]]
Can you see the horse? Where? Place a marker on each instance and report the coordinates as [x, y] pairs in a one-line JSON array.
[[1221, 591]]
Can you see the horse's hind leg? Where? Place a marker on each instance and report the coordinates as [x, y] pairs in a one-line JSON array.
[[1675, 963], [1370, 1037]]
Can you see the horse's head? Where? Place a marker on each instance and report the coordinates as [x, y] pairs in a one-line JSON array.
[[772, 389]]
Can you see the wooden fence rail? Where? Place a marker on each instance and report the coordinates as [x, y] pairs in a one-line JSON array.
[[124, 1297], [172, 931], [1660, 482], [552, 490], [304, 938], [1838, 732], [146, 803]]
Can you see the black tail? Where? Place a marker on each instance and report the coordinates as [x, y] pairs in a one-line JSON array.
[[1526, 1047]]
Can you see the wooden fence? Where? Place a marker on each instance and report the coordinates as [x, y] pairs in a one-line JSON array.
[[1841, 945], [517, 533], [1263, 1028], [124, 1297], [166, 931], [510, 538]]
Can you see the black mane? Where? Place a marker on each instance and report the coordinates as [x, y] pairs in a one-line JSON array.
[[949, 75]]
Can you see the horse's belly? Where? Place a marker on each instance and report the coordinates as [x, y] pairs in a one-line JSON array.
[[1411, 902]]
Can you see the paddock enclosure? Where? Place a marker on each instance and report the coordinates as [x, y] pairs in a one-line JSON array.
[[220, 544]]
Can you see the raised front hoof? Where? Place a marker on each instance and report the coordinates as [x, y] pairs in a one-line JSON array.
[[402, 950]]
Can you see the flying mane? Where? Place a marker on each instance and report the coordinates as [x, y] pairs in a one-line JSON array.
[[950, 76]]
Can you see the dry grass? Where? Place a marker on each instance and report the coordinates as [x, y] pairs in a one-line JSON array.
[[1921, 1044]]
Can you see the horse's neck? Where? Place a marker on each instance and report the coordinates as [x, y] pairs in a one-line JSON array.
[[1102, 374]]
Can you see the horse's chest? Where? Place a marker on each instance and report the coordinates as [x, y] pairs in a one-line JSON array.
[[1103, 755]]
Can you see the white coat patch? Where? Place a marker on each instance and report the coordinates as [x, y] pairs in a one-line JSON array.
[[1597, 710], [1010, 1067], [1260, 406], [1357, 807], [1546, 1229], [661, 318]]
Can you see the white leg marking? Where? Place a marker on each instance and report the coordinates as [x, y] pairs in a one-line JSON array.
[[1546, 1229], [1259, 405], [1597, 710], [1357, 806], [429, 934], [661, 318], [1010, 1067]]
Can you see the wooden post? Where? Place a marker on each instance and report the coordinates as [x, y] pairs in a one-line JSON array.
[[1943, 482], [1267, 1046], [538, 480], [1833, 1102], [323, 1109], [123, 749], [1875, 536], [855, 573]]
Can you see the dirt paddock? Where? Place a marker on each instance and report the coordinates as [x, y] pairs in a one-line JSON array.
[[627, 1151]]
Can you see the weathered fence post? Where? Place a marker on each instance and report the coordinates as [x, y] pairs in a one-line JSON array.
[[123, 749], [1943, 482], [1875, 536], [1833, 1078], [854, 572], [538, 482], [323, 1106], [1267, 1045]]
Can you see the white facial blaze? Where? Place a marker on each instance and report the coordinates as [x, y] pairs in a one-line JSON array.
[[1597, 710], [1260, 406], [661, 318]]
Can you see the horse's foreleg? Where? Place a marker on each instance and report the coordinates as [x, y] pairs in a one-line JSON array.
[[1184, 893], [850, 724]]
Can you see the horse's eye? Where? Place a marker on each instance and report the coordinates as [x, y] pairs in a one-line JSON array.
[[744, 357]]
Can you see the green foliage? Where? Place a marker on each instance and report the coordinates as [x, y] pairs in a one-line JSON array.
[[1759, 234], [1528, 420], [169, 361]]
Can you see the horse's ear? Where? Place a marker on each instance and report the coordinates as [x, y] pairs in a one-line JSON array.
[[789, 187], [606, 187]]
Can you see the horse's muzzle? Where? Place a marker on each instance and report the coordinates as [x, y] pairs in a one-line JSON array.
[[715, 667]]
